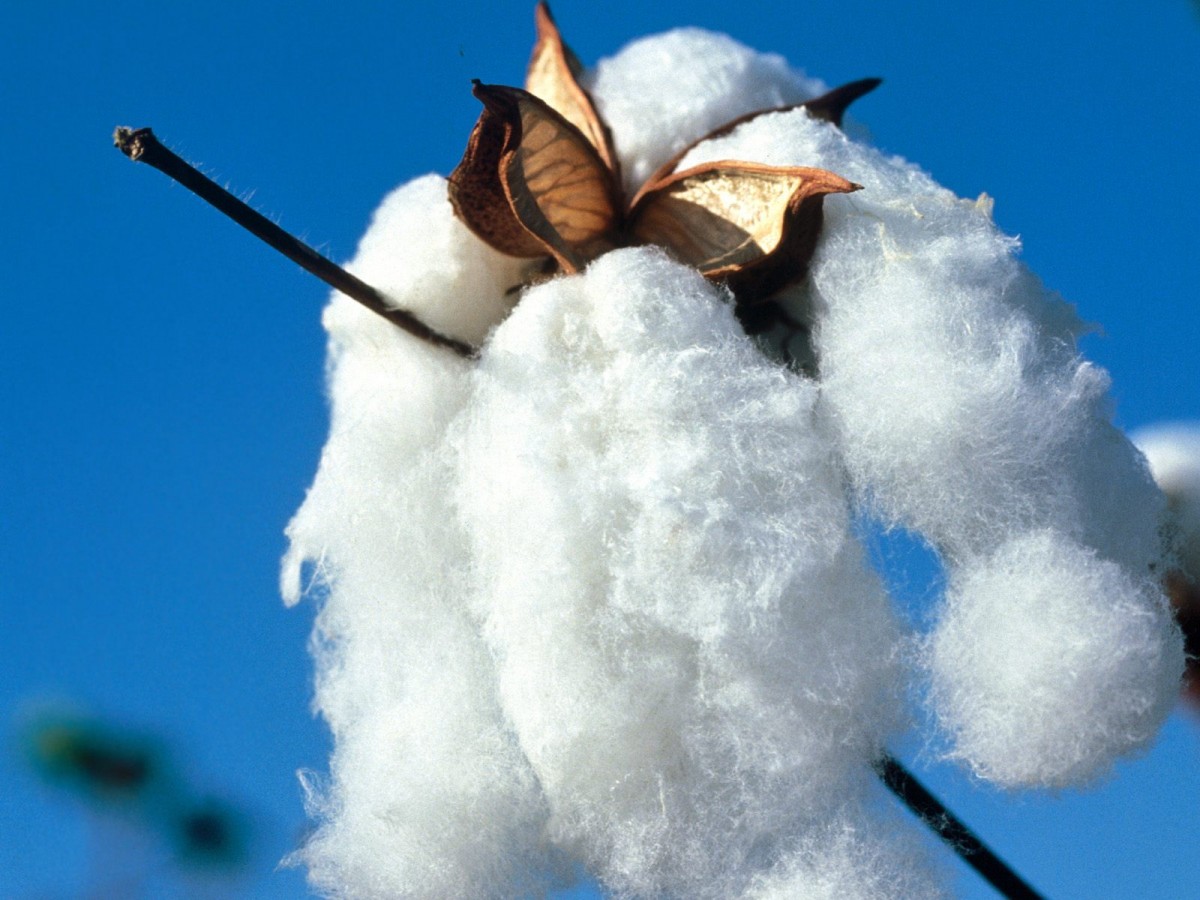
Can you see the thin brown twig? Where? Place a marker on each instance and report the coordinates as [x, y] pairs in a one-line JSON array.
[[951, 829], [141, 145]]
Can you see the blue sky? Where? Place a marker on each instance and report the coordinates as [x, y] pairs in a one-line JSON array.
[[161, 372]]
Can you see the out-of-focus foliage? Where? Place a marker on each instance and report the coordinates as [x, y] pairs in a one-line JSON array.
[[128, 773]]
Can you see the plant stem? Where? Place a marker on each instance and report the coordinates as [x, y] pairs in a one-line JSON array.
[[142, 146], [952, 830]]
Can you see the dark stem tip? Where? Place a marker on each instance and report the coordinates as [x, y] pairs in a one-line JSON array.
[[132, 141]]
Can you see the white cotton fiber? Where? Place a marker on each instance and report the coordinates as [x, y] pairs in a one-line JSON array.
[[689, 645], [857, 853], [951, 375], [1049, 662]]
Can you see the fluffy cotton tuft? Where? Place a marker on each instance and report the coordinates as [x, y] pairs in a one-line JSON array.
[[661, 93], [1050, 662], [668, 580], [951, 375], [856, 854], [963, 411], [419, 803], [597, 598]]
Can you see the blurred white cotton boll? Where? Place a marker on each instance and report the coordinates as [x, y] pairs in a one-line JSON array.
[[1173, 451], [661, 93], [668, 580], [1049, 662]]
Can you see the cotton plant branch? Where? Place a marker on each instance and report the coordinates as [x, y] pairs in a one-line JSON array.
[[141, 145], [952, 830]]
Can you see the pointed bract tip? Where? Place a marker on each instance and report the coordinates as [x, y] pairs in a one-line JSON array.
[[832, 106], [821, 181], [496, 97]]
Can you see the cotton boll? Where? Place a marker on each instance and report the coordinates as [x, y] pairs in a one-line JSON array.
[[959, 413], [689, 645], [425, 260], [1049, 662], [1173, 452], [428, 795], [598, 595], [661, 93]]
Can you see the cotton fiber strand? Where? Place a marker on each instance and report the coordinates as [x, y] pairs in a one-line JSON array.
[[854, 855], [596, 597]]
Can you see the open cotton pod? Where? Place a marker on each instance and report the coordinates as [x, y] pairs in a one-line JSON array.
[[594, 597]]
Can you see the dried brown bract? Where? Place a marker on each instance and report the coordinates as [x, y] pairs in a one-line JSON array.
[[540, 178]]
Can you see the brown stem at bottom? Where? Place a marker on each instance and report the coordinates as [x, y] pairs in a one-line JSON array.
[[142, 146]]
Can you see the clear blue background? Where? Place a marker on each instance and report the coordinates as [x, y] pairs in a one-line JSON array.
[[161, 372]]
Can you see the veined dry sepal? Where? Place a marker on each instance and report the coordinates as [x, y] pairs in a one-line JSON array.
[[553, 77], [537, 170], [829, 107], [750, 225], [477, 193], [539, 179]]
